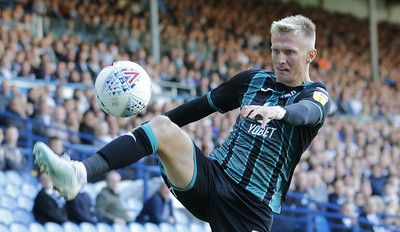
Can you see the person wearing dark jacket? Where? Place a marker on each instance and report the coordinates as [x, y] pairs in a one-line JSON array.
[[48, 205], [158, 208], [81, 209]]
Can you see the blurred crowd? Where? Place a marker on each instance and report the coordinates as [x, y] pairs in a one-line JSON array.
[[353, 162]]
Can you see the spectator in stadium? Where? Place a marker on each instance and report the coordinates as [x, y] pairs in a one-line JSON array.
[[347, 222], [158, 208], [48, 205], [109, 203], [43, 115], [72, 122], [81, 209], [277, 110], [2, 152], [378, 180], [16, 106], [15, 159], [5, 94], [88, 125], [56, 144], [102, 133], [370, 219], [338, 195]]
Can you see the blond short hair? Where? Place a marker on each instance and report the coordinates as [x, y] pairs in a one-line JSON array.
[[297, 25]]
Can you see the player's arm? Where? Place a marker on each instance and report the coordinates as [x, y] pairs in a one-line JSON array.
[[301, 113], [191, 111], [310, 110], [224, 98]]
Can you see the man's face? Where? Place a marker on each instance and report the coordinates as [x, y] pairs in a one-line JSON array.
[[289, 56]]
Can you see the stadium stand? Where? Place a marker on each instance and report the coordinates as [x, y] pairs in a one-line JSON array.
[[362, 131]]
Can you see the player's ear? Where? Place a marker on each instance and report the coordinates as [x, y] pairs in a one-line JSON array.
[[311, 55]]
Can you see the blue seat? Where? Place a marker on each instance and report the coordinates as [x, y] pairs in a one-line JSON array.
[[87, 227], [180, 217], [22, 216], [3, 179], [29, 190], [136, 227], [103, 227], [197, 227], [25, 203], [28, 177], [120, 228], [151, 227], [182, 227], [167, 227], [4, 228], [12, 191], [36, 227], [8, 202], [17, 227], [53, 227], [6, 217], [71, 227], [13, 178]]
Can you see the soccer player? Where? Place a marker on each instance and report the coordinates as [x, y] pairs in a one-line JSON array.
[[242, 182]]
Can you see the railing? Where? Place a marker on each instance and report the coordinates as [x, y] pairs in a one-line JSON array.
[[168, 89]]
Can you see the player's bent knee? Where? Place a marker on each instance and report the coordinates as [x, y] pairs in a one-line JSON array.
[[163, 128], [168, 134]]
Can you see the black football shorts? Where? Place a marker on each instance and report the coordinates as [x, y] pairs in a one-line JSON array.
[[213, 197]]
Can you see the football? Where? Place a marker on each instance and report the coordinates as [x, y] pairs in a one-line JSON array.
[[123, 89]]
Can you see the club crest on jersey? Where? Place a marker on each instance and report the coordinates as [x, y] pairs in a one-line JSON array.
[[320, 97]]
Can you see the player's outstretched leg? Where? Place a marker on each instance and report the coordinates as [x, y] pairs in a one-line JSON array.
[[68, 176]]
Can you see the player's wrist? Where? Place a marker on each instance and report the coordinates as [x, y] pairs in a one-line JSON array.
[[280, 112]]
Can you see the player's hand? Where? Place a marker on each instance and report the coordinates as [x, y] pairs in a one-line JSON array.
[[264, 113]]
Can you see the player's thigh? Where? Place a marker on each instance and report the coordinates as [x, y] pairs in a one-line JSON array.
[[175, 149]]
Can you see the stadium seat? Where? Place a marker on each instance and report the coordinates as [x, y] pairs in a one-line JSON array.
[[3, 179], [53, 227], [27, 177], [134, 203], [207, 227], [6, 217], [25, 203], [12, 190], [17, 227], [103, 227], [71, 227], [13, 177], [36, 227], [182, 228], [166, 227], [29, 190], [4, 228], [151, 227], [120, 228], [180, 217], [136, 227], [8, 202], [197, 227], [22, 216], [87, 227]]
